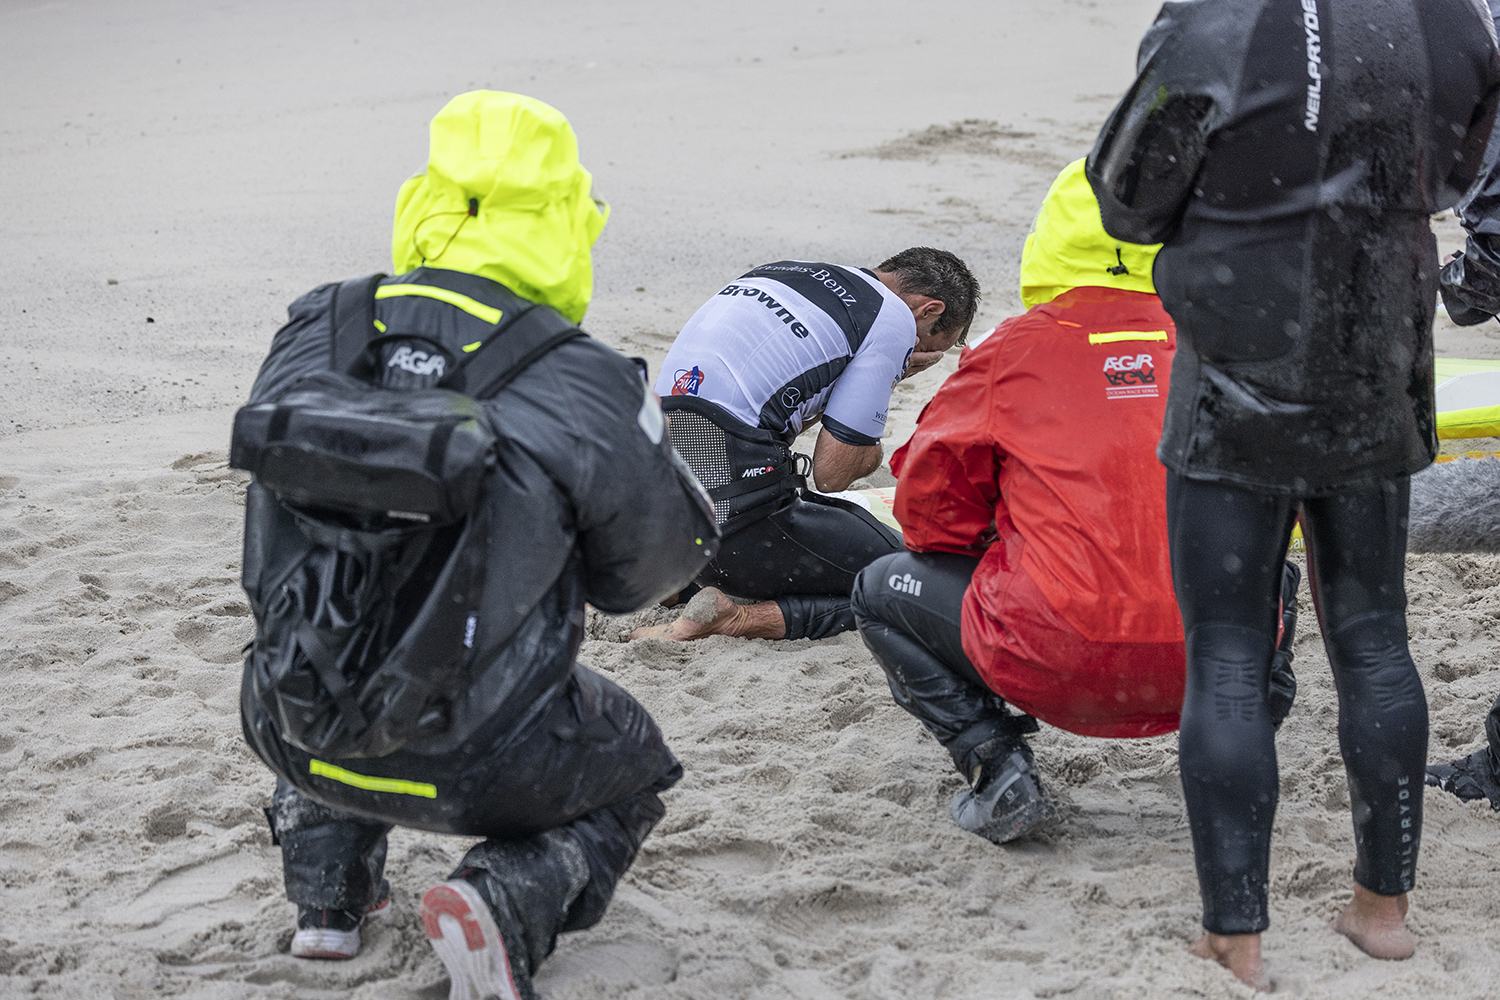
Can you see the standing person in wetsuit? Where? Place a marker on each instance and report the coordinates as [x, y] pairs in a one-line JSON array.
[[1289, 154], [555, 767], [1470, 283], [777, 349], [1037, 573]]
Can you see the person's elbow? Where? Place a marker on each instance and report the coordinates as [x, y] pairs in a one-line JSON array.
[[836, 464], [831, 482]]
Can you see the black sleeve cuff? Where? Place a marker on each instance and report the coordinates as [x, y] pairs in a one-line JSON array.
[[847, 435]]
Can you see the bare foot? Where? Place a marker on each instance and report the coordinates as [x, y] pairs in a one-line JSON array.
[[710, 612], [1376, 924], [1239, 953]]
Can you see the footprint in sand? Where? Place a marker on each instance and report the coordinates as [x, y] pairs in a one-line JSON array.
[[741, 857], [625, 963], [185, 889], [215, 637]]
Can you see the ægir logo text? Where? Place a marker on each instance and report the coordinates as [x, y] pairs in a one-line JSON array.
[[1130, 369], [417, 362]]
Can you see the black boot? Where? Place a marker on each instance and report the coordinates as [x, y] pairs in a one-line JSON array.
[[1477, 776], [1005, 798]]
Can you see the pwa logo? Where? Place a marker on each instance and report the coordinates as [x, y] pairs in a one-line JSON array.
[[688, 381], [906, 584], [418, 362], [905, 363], [1130, 369]]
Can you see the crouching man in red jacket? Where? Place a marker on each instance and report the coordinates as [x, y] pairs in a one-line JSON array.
[[1034, 512]]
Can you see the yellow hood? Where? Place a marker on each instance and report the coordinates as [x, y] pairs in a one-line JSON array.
[[1068, 247], [503, 197]]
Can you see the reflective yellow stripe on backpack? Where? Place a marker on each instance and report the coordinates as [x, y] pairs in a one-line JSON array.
[[471, 306], [397, 786]]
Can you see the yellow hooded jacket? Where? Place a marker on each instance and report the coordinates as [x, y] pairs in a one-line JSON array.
[[503, 197], [1068, 247]]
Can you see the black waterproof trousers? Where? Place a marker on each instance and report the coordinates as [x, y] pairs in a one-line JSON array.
[[1228, 545], [563, 802], [804, 554], [917, 639]]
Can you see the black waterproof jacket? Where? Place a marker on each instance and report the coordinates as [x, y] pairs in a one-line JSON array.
[[589, 502], [1289, 154]]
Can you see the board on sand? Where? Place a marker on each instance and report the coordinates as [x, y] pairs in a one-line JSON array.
[[1468, 398], [1468, 406]]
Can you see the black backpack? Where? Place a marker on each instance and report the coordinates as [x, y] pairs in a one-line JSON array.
[[367, 532]]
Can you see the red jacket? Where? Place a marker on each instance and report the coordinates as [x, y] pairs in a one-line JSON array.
[[1039, 454]]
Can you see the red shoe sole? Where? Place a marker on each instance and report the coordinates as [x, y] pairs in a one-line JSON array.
[[473, 952]]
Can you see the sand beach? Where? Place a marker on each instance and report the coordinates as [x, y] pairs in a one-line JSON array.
[[176, 173]]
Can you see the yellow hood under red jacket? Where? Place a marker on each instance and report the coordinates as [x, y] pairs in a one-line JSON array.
[[503, 197], [1038, 454]]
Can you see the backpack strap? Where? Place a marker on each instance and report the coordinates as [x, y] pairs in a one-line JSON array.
[[511, 347], [353, 321], [328, 665], [509, 350]]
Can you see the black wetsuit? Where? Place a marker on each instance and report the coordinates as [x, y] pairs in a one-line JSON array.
[[782, 541], [804, 555], [554, 765], [1289, 154], [783, 345], [1228, 547]]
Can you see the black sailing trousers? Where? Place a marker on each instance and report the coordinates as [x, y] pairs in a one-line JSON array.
[[563, 802], [1228, 545], [918, 641]]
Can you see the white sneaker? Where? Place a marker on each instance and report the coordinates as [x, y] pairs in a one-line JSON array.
[[463, 932], [333, 933]]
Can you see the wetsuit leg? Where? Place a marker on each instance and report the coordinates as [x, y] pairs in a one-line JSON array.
[[1228, 547], [1357, 548], [804, 555], [331, 860], [908, 607]]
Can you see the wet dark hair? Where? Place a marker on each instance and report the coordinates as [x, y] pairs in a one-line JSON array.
[[940, 275]]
